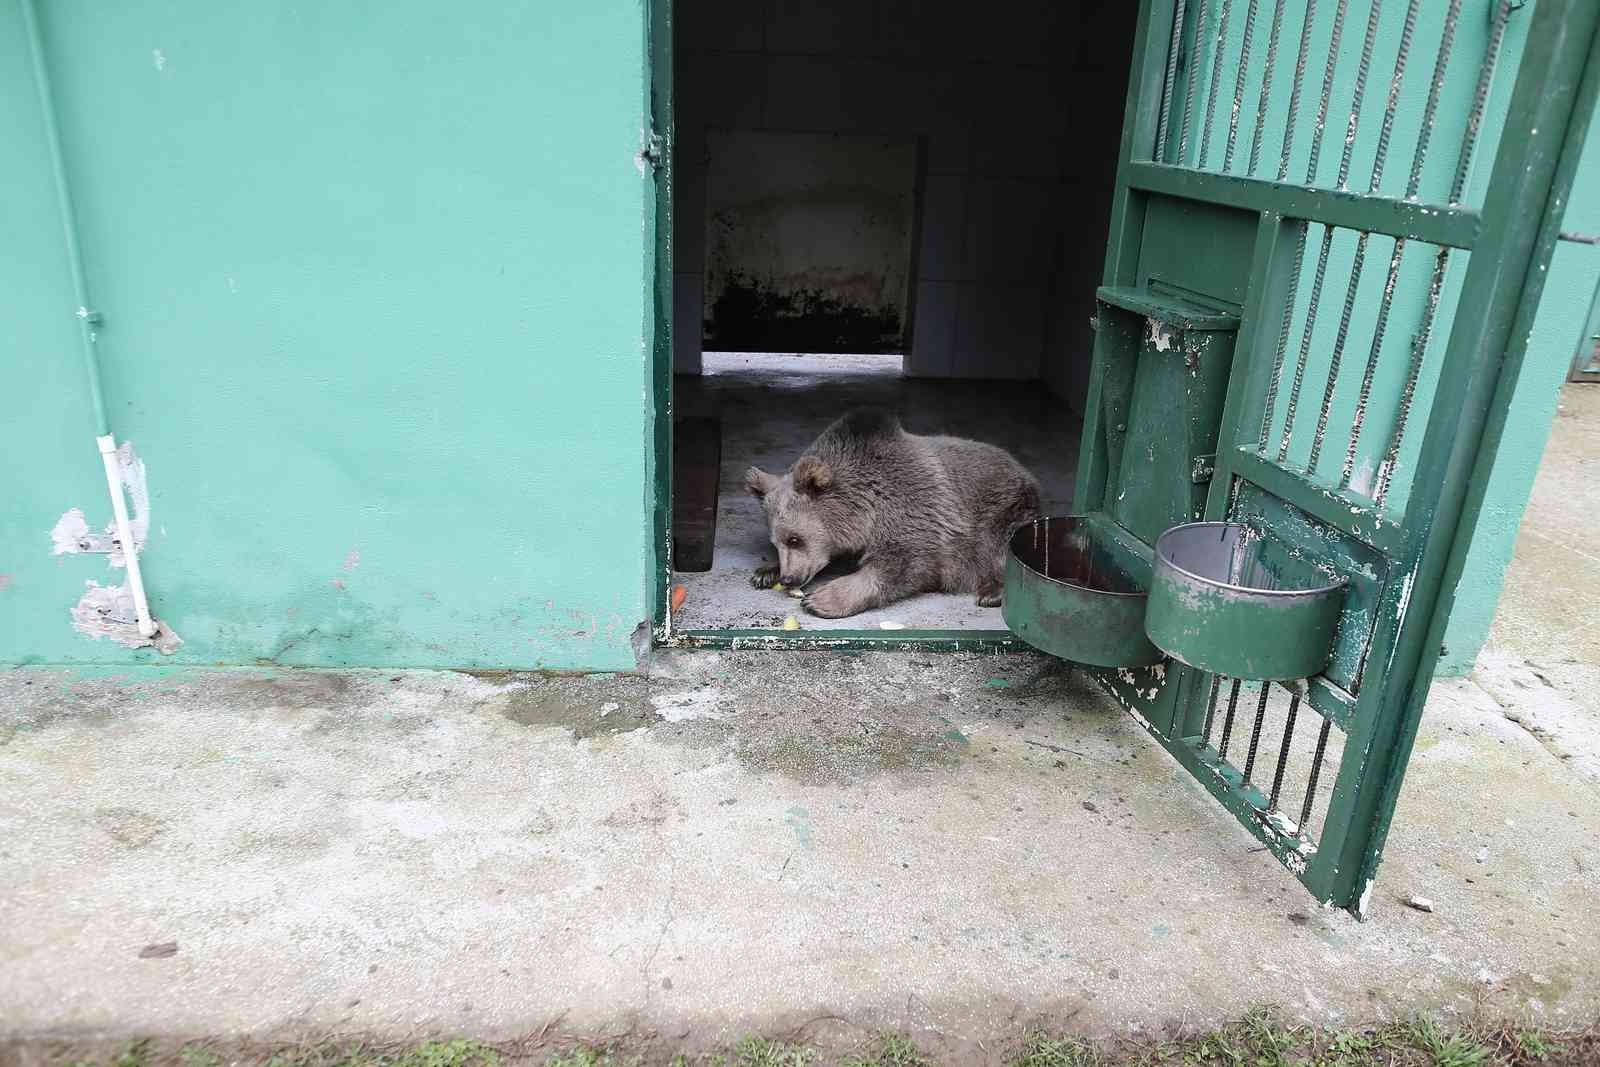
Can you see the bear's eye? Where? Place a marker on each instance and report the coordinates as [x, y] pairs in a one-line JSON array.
[[794, 542]]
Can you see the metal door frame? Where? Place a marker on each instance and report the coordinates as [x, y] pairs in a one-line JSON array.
[[657, 152], [1511, 246]]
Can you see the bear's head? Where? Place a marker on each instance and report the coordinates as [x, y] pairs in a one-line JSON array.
[[796, 518]]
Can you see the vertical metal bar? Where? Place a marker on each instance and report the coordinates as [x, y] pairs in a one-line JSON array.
[[1169, 84], [1430, 111], [1202, 19], [1211, 707], [1238, 86], [1408, 31], [1336, 360], [1282, 350], [1255, 731], [1295, 87], [1469, 141], [1364, 393], [1266, 84], [1339, 14], [1363, 68], [1283, 752], [1316, 773], [1227, 722], [1216, 80], [1305, 342], [1480, 99]]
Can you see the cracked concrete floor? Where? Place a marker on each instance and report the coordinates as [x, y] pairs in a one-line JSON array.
[[952, 845]]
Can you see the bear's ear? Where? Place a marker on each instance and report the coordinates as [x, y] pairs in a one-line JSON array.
[[812, 476], [759, 482]]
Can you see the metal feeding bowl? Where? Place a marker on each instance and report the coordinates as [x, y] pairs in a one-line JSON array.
[[1225, 599], [1066, 595]]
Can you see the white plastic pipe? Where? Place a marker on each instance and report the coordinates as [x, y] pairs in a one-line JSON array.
[[130, 551]]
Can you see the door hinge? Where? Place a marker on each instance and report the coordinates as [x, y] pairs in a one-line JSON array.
[[1204, 467]]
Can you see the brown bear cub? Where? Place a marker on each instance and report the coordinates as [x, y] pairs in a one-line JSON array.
[[919, 514]]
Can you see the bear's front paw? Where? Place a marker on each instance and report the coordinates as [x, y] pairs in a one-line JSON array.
[[990, 594], [765, 577], [830, 602]]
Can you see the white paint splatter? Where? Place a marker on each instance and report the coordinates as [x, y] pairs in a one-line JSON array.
[[160, 59], [693, 704], [70, 534], [886, 625], [107, 611], [352, 559]]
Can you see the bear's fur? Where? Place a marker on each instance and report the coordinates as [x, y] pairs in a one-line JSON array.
[[919, 514]]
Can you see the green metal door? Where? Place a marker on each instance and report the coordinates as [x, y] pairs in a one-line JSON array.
[[1299, 338]]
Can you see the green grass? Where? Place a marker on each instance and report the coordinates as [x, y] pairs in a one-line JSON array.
[[1259, 1039]]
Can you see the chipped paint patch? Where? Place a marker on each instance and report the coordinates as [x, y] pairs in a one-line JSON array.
[[1160, 336], [71, 534], [107, 611], [159, 58], [352, 559], [5, 582]]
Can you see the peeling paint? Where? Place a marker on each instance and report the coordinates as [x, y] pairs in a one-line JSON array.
[[135, 485], [107, 611], [1161, 337], [71, 534]]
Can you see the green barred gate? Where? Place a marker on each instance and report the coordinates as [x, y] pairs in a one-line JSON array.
[[1332, 224]]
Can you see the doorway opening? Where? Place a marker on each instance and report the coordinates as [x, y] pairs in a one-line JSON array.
[[879, 204]]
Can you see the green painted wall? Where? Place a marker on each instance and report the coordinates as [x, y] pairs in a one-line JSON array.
[[375, 319], [376, 285], [1563, 316]]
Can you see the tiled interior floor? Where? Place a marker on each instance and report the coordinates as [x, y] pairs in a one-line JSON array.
[[773, 406]]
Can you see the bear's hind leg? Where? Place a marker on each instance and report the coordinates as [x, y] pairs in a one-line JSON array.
[[991, 567]]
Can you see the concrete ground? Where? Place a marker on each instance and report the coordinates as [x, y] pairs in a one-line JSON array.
[[952, 845], [772, 406]]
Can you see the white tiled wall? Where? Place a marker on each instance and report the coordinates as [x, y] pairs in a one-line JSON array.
[[993, 90]]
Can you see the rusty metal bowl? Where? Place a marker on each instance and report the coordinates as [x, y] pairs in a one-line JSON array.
[[1222, 600], [1067, 595]]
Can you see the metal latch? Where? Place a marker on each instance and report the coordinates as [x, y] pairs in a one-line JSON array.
[[1204, 467]]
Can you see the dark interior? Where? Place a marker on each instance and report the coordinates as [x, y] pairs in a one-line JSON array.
[[908, 200]]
